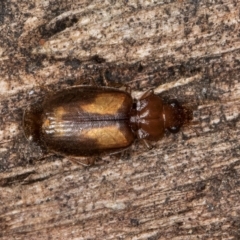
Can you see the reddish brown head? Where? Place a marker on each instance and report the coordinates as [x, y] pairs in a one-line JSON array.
[[176, 115]]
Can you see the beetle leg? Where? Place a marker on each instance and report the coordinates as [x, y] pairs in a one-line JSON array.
[[119, 151], [87, 80], [146, 94], [120, 86], [86, 162], [92, 81], [125, 155], [128, 89], [147, 144]]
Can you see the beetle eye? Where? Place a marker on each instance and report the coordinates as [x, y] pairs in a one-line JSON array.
[[173, 103], [174, 129]]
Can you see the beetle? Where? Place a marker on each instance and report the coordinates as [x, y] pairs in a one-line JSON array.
[[91, 121]]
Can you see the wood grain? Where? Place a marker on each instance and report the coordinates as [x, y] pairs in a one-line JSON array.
[[187, 186]]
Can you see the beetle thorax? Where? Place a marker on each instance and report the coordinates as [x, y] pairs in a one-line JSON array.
[[146, 118]]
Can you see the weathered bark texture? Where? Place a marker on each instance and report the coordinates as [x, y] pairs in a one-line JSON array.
[[187, 186]]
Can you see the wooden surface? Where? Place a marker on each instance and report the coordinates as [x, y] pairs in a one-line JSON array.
[[187, 186]]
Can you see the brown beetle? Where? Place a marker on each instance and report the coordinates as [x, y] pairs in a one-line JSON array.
[[88, 121]]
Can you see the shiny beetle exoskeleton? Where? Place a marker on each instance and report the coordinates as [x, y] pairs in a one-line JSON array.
[[88, 121]]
